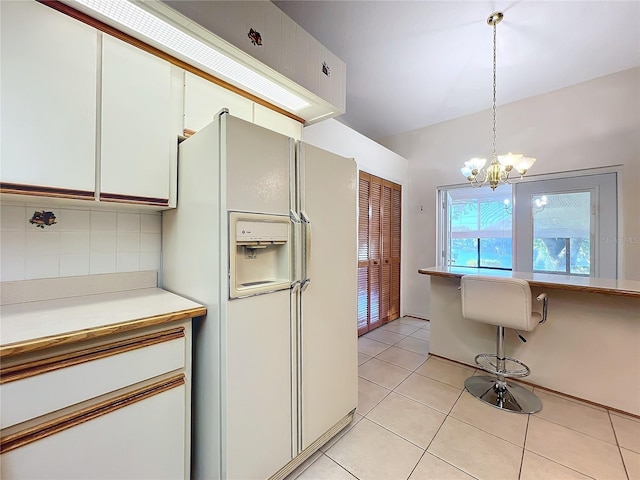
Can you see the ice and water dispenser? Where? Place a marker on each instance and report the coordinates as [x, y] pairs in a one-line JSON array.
[[260, 255]]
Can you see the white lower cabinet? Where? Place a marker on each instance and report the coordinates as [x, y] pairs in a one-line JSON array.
[[115, 408], [142, 440]]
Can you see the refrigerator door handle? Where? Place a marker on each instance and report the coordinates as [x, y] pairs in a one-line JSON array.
[[305, 283], [296, 268], [306, 249]]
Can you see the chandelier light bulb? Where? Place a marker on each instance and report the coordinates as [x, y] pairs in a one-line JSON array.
[[467, 172], [509, 160], [525, 164]]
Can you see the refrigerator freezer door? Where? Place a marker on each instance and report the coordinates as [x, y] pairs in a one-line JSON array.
[[329, 365], [257, 166]]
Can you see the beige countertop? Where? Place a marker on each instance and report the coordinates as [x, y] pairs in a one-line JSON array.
[[33, 325], [606, 286]]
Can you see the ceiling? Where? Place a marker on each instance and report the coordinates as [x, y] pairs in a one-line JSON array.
[[412, 64], [416, 63]]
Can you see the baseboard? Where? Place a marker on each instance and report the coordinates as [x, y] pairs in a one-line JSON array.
[[550, 390]]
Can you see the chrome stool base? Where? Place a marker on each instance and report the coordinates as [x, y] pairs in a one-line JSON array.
[[508, 396]]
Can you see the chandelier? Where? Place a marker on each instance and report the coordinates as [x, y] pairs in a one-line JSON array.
[[501, 166]]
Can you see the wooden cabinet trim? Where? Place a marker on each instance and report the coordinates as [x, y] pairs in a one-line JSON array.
[[30, 435], [119, 198], [17, 348], [108, 29], [41, 191], [37, 367]]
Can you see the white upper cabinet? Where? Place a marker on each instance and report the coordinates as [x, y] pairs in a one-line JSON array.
[[287, 63], [138, 137], [313, 65], [48, 108], [204, 99], [277, 122]]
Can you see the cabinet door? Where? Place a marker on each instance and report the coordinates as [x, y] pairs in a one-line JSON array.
[[203, 100], [277, 122], [137, 134], [49, 70], [126, 438]]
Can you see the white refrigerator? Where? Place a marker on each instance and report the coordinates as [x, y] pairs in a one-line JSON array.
[[264, 234]]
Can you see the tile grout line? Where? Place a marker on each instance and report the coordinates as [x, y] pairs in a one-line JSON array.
[[426, 357], [339, 465], [391, 431], [555, 461], [524, 444], [378, 403], [561, 464], [436, 434], [583, 433], [615, 435], [446, 415]]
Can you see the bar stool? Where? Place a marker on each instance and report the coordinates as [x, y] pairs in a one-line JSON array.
[[506, 303]]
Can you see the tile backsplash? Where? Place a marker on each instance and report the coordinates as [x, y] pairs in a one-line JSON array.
[[83, 241]]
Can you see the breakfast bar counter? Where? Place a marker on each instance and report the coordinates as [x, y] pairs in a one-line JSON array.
[[607, 286], [589, 347]]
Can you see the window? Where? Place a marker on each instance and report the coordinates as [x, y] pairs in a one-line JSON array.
[[545, 226], [562, 229], [479, 225], [559, 222]]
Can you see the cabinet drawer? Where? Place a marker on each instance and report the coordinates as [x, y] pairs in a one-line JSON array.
[[46, 385], [133, 436]]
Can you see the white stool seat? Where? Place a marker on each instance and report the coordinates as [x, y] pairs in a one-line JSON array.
[[505, 303], [499, 301]]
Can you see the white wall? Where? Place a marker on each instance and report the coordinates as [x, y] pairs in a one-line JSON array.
[[592, 124], [83, 241], [371, 157]]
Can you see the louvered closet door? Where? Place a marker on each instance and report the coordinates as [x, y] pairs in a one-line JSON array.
[[379, 230], [385, 284], [375, 252], [396, 229], [363, 253]]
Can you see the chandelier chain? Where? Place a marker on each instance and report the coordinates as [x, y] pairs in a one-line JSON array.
[[494, 91], [498, 171]]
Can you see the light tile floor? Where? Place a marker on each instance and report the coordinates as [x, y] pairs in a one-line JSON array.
[[415, 421]]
